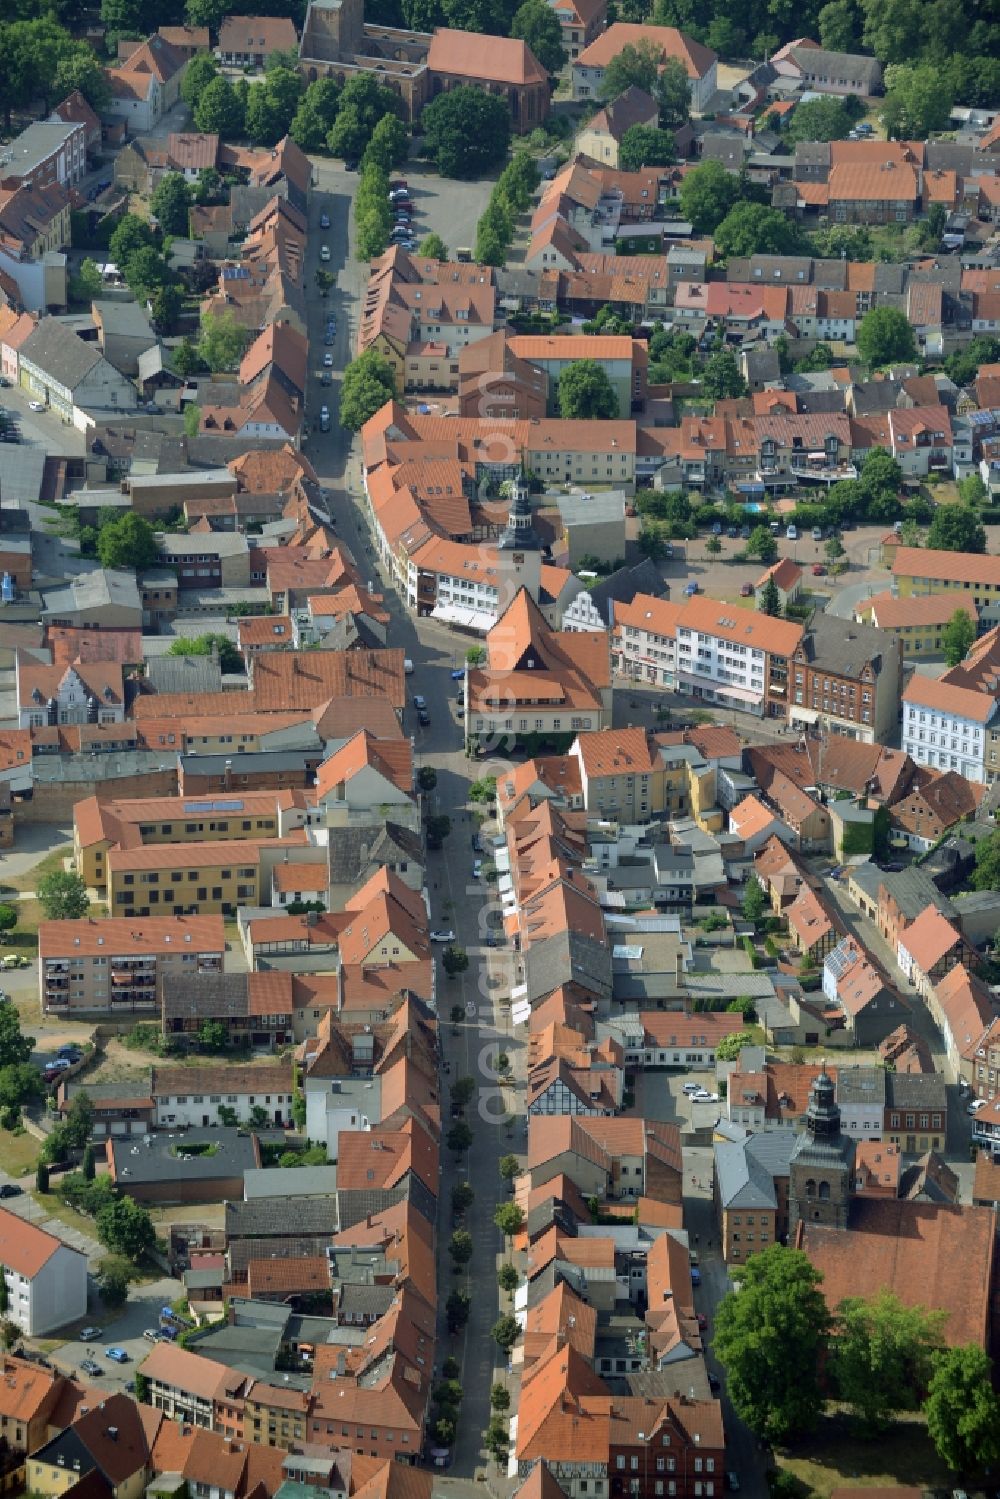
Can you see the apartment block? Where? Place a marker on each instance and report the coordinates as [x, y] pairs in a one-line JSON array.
[[921, 570], [846, 678], [184, 879], [946, 726], [122, 966]]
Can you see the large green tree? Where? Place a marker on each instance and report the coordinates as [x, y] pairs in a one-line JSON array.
[[885, 336], [372, 214], [198, 74], [15, 1047], [762, 545], [219, 110], [918, 101], [637, 65], [882, 1356], [586, 393], [673, 94], [646, 146], [128, 542], [389, 144], [538, 25], [171, 202], [363, 102], [963, 1412], [754, 229], [63, 897], [222, 341], [707, 193], [819, 120], [770, 1338], [957, 637], [956, 528], [466, 131], [125, 1227], [315, 115], [80, 69], [368, 383], [721, 376]]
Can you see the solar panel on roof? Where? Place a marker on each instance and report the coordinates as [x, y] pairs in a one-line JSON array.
[[235, 806]]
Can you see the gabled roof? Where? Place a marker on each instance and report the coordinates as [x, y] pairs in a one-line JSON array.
[[484, 59], [697, 59]]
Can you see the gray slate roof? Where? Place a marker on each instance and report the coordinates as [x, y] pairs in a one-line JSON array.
[[354, 849], [184, 674], [268, 1217], [746, 1173], [834, 645], [60, 352]]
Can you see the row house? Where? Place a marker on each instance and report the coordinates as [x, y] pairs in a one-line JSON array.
[[964, 1009], [846, 679], [947, 727], [870, 1007], [735, 657], [929, 948]]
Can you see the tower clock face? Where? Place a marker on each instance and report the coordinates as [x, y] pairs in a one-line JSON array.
[[518, 559]]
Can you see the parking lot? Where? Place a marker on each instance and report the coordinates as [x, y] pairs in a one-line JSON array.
[[660, 1095], [450, 209], [125, 1331]]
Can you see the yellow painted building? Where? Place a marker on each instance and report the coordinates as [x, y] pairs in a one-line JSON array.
[[918, 570], [917, 620], [99, 827], [184, 879], [275, 1417]]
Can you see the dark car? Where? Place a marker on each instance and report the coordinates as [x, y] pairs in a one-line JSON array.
[[732, 532], [10, 1190], [714, 1384], [90, 1367], [424, 717]]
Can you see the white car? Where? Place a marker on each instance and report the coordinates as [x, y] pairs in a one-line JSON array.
[[443, 936], [89, 1334], [692, 1088], [701, 1096], [976, 1105], [36, 405], [477, 869], [324, 252]]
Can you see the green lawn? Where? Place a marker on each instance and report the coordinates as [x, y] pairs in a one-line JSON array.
[[53, 860], [836, 1457], [18, 1153]]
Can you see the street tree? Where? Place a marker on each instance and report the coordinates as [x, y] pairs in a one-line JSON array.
[[963, 1411], [505, 1331], [500, 1398], [460, 1247], [957, 637], [833, 547], [389, 144], [509, 1167], [770, 1338], [509, 1219], [63, 896], [885, 336], [368, 383], [882, 1356], [455, 960], [459, 1137], [463, 1091], [507, 1278], [462, 1197], [769, 601], [457, 1308], [956, 528], [538, 25], [114, 1273], [762, 545], [433, 247], [586, 393]]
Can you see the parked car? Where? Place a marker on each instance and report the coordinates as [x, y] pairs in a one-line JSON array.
[[151, 1335], [89, 1334], [695, 1276], [71, 1053], [324, 252], [324, 221], [36, 405], [324, 418], [419, 701], [328, 361], [423, 717], [89, 1366], [117, 1355], [733, 1481], [732, 532], [818, 570], [976, 1105], [458, 674], [477, 869], [746, 590], [444, 935], [792, 533], [817, 533], [691, 589], [717, 528], [10, 1190]]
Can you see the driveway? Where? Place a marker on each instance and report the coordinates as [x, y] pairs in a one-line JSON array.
[[120, 1329]]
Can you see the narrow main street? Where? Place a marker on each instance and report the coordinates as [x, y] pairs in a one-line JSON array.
[[457, 900]]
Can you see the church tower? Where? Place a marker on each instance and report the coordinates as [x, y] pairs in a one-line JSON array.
[[821, 1169], [519, 563]]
